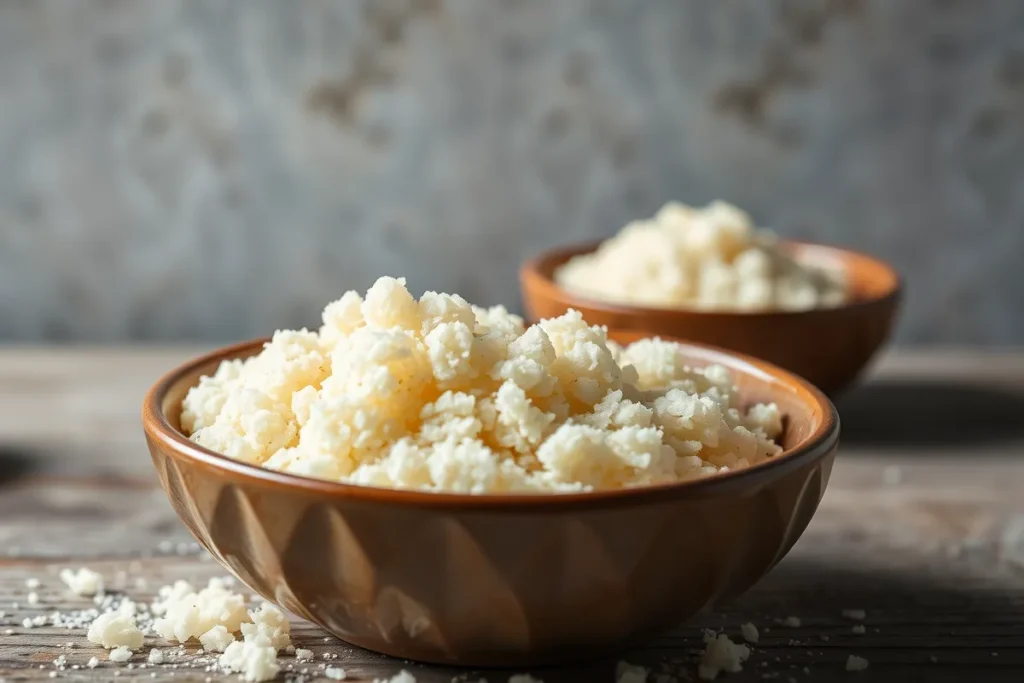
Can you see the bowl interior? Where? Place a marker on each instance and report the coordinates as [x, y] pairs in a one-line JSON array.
[[869, 278], [810, 426]]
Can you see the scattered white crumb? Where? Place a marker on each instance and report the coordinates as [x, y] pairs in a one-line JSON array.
[[115, 629], [185, 613], [84, 582], [303, 655], [217, 639], [33, 598], [749, 632], [630, 673], [791, 622], [859, 629], [9, 632], [270, 622], [120, 654], [334, 673], [60, 662], [892, 475], [155, 656], [721, 654], [855, 614], [855, 663], [254, 659], [32, 583]]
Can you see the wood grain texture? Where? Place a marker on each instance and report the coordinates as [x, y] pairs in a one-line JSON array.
[[922, 527]]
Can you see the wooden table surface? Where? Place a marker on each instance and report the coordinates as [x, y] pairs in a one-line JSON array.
[[922, 527]]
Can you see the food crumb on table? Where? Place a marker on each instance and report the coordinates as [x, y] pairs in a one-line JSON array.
[[855, 663]]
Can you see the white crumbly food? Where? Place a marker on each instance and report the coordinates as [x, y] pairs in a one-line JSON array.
[[439, 395], [255, 656], [721, 654], [84, 582], [187, 613], [335, 673], [710, 258], [216, 639], [93, 662], [120, 654], [115, 629], [406, 677], [255, 659], [303, 655], [271, 623], [750, 633], [855, 663], [630, 673], [156, 656]]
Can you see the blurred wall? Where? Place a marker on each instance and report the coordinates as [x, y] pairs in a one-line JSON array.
[[216, 169]]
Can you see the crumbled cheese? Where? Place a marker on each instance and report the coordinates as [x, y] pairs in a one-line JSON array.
[[855, 614], [32, 583], [155, 656], [721, 654], [60, 662], [115, 629], [438, 395], [892, 475], [84, 582], [189, 614], [255, 659], [406, 677], [334, 673], [712, 258], [855, 663], [270, 622], [93, 662], [33, 598], [303, 655], [216, 639], [120, 654], [791, 622], [859, 629], [630, 673]]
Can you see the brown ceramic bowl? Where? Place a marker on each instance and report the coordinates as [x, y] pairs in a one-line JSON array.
[[827, 346], [498, 580]]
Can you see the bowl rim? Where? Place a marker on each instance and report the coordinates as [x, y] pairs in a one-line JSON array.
[[814, 446], [539, 270]]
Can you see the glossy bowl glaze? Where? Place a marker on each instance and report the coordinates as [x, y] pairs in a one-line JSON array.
[[827, 346], [498, 580]]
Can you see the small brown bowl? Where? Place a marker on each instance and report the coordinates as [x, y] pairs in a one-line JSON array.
[[507, 579], [827, 346]]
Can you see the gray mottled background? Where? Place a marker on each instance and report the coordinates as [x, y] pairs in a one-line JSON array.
[[215, 169]]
